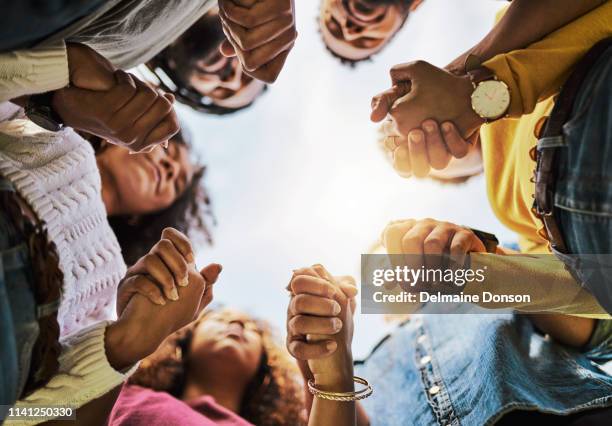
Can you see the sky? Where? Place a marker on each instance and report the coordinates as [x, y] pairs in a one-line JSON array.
[[299, 179]]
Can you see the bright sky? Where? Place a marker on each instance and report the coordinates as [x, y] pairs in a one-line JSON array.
[[298, 179]]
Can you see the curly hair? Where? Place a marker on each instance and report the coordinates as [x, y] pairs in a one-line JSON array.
[[188, 214], [274, 397]]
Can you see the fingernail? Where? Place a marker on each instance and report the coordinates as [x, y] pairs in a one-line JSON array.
[[337, 308], [330, 346], [190, 258], [174, 294], [337, 324], [446, 127], [428, 127], [132, 152], [166, 144], [415, 137], [160, 301], [220, 267], [184, 282]]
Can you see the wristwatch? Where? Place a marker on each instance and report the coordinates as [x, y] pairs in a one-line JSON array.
[[491, 97], [489, 240], [40, 111]]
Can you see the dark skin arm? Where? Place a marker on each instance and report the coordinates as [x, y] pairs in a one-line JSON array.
[[536, 19]]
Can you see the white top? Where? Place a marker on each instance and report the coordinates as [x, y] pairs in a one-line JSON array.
[[57, 174], [131, 33]]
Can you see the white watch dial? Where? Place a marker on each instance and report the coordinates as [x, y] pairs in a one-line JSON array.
[[491, 99]]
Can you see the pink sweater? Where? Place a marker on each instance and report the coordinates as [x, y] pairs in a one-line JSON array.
[[138, 406]]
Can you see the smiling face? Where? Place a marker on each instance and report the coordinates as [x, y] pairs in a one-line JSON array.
[[356, 29], [229, 343], [139, 184], [223, 81]]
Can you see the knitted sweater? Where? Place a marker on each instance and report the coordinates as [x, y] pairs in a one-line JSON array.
[[56, 173], [126, 32]]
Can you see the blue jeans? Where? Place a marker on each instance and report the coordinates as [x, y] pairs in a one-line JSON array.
[[474, 369], [583, 194], [18, 320]]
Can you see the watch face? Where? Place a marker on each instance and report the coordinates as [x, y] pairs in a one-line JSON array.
[[491, 99]]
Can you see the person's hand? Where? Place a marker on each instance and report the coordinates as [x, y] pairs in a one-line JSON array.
[[320, 326], [260, 32], [87, 69], [143, 326], [421, 91], [425, 148], [158, 274], [431, 238]]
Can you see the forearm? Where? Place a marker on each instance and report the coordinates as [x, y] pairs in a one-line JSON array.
[[333, 413], [536, 19], [544, 278]]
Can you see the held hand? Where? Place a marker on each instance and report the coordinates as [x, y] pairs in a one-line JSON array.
[[320, 324], [421, 91], [261, 33], [113, 104], [425, 148], [158, 274], [433, 238], [142, 325]]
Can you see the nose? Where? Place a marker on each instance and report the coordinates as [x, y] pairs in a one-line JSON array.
[[231, 78], [170, 166]]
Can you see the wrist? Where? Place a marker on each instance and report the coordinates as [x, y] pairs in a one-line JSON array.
[[125, 346], [470, 118]]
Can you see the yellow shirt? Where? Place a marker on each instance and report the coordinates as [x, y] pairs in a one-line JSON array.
[[534, 75]]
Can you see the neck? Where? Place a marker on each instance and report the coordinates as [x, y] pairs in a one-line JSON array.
[[226, 392]]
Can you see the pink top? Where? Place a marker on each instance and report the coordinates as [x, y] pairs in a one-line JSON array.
[[141, 406]]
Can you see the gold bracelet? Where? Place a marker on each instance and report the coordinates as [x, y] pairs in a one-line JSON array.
[[343, 396]]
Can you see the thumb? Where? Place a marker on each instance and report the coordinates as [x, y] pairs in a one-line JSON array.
[[407, 72], [211, 272], [381, 104], [88, 69]]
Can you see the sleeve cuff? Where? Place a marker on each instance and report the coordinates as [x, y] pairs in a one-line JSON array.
[[84, 373], [501, 68], [37, 70]]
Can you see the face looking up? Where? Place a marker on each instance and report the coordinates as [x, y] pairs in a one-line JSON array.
[[228, 342], [139, 184], [223, 81], [356, 29]]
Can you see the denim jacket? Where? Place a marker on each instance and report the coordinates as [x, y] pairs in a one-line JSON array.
[[473, 369]]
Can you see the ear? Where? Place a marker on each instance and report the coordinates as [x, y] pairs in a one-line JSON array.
[[415, 4]]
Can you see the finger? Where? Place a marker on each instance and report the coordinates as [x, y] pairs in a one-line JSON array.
[[323, 273], [436, 244], [402, 163], [164, 131], [256, 15], [457, 146], [314, 350], [249, 39], [409, 71], [211, 273], [258, 57], [305, 304], [147, 288], [305, 324], [412, 241], [143, 98], [158, 270], [347, 284], [381, 104], [158, 124], [462, 243], [173, 260], [393, 233], [418, 153], [207, 297], [181, 242], [315, 286], [438, 155]]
